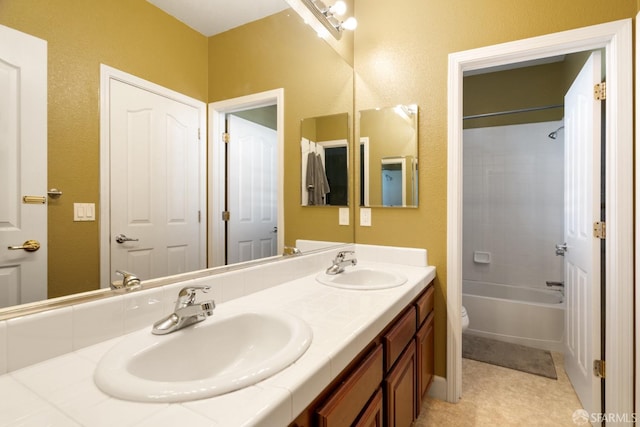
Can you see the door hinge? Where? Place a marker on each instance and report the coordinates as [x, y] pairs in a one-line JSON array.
[[599, 230], [199, 216], [226, 215], [226, 137], [599, 368], [600, 91], [199, 133]]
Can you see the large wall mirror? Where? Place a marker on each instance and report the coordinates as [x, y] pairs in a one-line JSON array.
[[134, 36], [324, 157], [389, 156]]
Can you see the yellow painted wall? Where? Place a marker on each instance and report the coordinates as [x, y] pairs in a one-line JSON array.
[[281, 51], [401, 52], [131, 35], [537, 86]]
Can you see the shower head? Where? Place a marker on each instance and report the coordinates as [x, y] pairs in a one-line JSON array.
[[554, 134]]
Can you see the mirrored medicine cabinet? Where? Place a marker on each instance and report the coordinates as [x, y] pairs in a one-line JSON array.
[[388, 156]]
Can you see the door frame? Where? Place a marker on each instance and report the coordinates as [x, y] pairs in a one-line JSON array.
[[106, 74], [616, 38], [402, 161], [217, 168]]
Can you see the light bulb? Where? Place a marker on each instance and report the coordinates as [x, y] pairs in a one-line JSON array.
[[339, 8], [350, 24]]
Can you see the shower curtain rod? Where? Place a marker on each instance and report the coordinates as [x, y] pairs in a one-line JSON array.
[[522, 110]]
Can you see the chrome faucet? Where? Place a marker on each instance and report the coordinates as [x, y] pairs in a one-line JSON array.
[[187, 311], [291, 250], [129, 281], [339, 263]]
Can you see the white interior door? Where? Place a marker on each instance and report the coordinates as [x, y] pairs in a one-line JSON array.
[[582, 258], [253, 191], [154, 183], [23, 166]]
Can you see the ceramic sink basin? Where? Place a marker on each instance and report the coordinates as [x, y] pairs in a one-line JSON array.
[[216, 356], [363, 278]]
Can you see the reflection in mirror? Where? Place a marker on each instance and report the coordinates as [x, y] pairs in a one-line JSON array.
[[389, 156], [140, 39], [324, 150]]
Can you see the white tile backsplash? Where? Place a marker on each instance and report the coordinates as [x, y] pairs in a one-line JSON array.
[[3, 347], [233, 285], [394, 255], [97, 321], [32, 339], [142, 309]]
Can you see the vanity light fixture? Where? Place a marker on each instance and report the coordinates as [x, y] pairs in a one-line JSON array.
[[329, 17]]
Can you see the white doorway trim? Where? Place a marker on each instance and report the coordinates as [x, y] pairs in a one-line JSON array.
[[217, 112], [106, 75], [616, 38], [637, 221]]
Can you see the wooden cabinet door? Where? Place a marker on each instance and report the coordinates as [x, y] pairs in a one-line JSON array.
[[424, 349], [373, 412], [346, 403], [400, 387]]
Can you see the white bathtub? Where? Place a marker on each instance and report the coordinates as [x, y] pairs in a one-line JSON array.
[[527, 316]]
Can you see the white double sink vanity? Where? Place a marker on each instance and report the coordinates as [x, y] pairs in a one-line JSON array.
[[266, 356]]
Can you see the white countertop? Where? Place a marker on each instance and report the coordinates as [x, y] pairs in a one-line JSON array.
[[61, 391]]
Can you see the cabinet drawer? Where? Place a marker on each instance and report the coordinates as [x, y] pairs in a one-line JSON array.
[[398, 337], [352, 395], [424, 304]]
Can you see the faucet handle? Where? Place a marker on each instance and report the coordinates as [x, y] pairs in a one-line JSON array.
[[129, 281], [188, 295], [343, 254]]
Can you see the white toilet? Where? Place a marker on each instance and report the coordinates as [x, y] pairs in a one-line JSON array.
[[465, 319]]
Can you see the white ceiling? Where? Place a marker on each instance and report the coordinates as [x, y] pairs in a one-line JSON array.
[[210, 17]]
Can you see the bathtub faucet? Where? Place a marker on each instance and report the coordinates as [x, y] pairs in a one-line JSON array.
[[552, 284]]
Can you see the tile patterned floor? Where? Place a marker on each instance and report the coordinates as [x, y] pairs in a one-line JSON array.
[[496, 396]]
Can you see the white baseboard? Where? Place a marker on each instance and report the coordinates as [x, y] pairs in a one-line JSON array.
[[438, 389]]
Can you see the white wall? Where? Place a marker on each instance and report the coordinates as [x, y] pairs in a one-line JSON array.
[[513, 203]]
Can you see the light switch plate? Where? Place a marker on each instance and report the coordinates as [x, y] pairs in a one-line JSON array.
[[343, 216], [84, 211], [365, 217]]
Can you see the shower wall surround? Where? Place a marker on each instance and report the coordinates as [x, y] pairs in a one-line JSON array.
[[513, 204]]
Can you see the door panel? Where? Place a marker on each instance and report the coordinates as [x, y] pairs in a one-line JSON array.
[[582, 257], [155, 183], [23, 166], [253, 191]]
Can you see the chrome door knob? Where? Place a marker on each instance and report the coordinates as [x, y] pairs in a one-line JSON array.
[[121, 238], [561, 248]]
